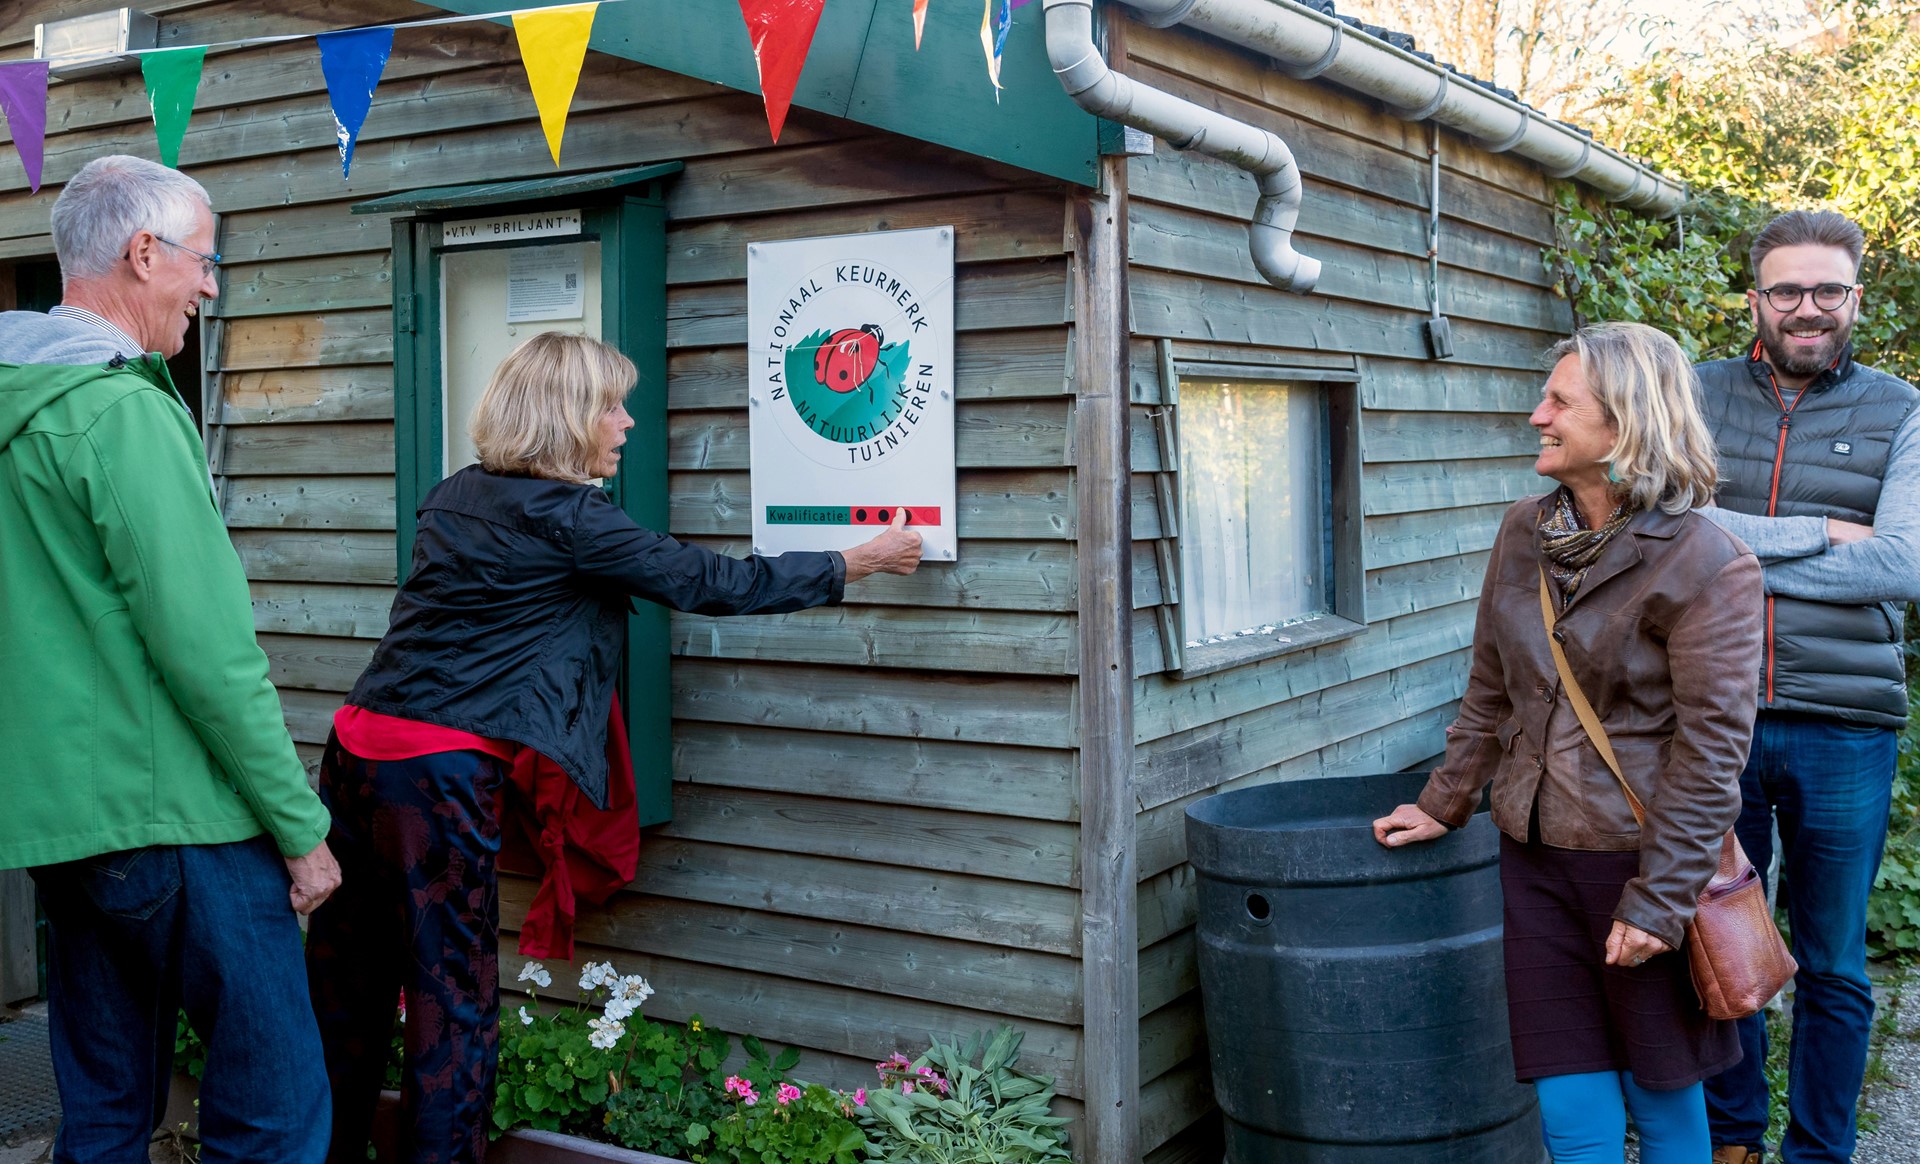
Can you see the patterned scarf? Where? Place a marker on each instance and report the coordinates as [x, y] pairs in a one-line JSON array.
[[1571, 547]]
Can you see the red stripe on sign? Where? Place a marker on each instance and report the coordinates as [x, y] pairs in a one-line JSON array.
[[883, 514]]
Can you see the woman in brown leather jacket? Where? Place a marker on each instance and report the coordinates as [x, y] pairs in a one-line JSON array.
[[1658, 612]]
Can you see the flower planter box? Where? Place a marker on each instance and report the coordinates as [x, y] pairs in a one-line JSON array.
[[520, 1146]]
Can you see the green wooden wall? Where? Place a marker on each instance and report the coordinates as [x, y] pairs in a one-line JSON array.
[[1445, 446]]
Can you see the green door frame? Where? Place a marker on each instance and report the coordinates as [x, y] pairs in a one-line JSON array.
[[626, 212]]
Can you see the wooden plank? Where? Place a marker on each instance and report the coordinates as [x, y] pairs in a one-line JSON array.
[[987, 707], [1169, 968], [888, 636], [1019, 224], [309, 714], [997, 365], [1180, 240], [1212, 754], [309, 230], [1164, 706], [992, 503], [1447, 386], [307, 449], [19, 939], [1175, 1101], [1167, 904], [1028, 783], [308, 394], [1442, 436], [975, 909], [298, 556], [941, 970], [1036, 852], [1106, 665], [308, 502], [989, 575], [314, 662], [827, 1017], [1171, 1036], [1161, 831], [1143, 362], [986, 296], [1401, 487], [305, 341], [310, 608], [812, 173], [1201, 1142], [333, 282], [1399, 538], [1425, 585], [988, 434], [1188, 307]]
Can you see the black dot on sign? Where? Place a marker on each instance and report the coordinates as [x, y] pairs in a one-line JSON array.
[[885, 516], [859, 515]]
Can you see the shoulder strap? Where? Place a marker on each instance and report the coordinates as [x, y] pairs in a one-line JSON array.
[[1581, 707]]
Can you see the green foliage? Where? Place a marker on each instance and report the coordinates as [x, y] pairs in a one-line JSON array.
[[1893, 910], [671, 1095], [189, 1050], [944, 1108], [557, 1069], [789, 1125]]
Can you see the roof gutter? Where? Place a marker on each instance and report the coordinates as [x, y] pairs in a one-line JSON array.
[[1083, 72], [1306, 43]]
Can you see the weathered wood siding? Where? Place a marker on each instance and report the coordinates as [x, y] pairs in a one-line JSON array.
[[1445, 446], [874, 832]]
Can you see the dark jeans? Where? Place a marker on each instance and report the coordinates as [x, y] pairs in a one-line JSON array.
[[1828, 784], [418, 909], [132, 937]]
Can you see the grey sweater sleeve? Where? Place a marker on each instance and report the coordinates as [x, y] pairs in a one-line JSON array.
[[1881, 568]]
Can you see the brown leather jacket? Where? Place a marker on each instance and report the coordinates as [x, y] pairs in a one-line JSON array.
[[1664, 636]]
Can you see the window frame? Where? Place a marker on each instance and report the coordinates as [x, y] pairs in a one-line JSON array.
[[1346, 590]]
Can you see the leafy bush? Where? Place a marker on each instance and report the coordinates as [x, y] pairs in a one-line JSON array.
[[671, 1094], [943, 1108], [787, 1125], [557, 1069]]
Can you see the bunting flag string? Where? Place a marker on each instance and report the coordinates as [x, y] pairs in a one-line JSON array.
[[23, 98], [782, 32], [173, 78], [352, 62], [553, 48], [552, 43]]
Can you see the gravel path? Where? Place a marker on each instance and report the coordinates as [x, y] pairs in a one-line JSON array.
[[1893, 1092]]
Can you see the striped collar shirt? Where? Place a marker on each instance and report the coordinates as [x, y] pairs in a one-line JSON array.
[[128, 347]]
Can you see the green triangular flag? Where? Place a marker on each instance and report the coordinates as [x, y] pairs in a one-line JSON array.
[[173, 77]]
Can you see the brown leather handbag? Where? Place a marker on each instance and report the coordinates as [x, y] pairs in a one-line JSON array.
[[1738, 959]]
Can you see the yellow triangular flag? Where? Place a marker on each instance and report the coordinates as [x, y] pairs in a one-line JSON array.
[[553, 46]]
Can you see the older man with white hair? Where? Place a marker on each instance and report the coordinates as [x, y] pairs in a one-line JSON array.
[[149, 783]]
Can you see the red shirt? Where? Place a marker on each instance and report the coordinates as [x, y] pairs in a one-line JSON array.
[[372, 736]]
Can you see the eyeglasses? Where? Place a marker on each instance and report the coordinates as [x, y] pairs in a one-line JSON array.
[[209, 262], [1784, 297]]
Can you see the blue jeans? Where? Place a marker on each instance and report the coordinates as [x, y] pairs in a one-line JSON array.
[[134, 936], [1828, 784]]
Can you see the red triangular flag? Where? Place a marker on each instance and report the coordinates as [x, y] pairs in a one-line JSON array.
[[782, 32]]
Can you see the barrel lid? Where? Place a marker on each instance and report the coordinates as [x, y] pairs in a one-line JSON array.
[[1320, 832]]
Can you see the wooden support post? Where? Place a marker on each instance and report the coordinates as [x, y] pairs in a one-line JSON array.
[[1110, 1045]]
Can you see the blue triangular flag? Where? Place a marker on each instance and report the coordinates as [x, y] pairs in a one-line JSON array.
[[352, 62]]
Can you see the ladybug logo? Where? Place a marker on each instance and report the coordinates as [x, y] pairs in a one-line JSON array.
[[848, 357]]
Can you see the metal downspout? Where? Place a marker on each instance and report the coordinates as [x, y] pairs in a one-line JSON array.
[[1084, 73]]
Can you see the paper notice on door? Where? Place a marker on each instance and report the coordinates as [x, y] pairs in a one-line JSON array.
[[545, 283]]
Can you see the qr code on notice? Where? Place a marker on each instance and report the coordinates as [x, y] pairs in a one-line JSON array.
[[573, 282]]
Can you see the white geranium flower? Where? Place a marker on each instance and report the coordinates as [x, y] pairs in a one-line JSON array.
[[537, 974], [633, 988], [606, 1032], [526, 1020], [597, 974], [620, 1009]]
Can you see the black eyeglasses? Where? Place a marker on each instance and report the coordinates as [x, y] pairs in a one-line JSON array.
[[1784, 297], [208, 262]]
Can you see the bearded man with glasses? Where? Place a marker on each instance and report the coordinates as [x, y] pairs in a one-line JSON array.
[[1820, 475]]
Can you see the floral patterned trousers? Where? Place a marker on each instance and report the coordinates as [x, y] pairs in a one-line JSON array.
[[418, 911]]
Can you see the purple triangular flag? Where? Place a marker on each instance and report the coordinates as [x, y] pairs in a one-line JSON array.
[[352, 62], [23, 98]]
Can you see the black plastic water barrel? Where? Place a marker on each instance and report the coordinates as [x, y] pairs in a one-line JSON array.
[[1354, 1002]]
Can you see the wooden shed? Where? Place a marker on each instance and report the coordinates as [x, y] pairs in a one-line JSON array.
[[1212, 532]]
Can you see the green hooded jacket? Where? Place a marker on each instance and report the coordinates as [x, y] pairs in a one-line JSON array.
[[135, 707]]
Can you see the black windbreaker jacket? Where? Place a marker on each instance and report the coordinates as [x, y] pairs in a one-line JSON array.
[[512, 618]]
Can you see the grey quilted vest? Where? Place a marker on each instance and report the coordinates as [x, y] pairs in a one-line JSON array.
[[1831, 452]]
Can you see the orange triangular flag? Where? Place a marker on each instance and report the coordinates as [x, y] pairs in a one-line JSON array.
[[553, 46], [782, 32], [919, 22]]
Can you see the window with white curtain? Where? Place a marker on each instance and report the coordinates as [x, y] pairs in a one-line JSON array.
[[1266, 546]]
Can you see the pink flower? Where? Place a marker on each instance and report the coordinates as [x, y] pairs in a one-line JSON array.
[[786, 1094], [860, 1097], [906, 1089], [743, 1089]]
